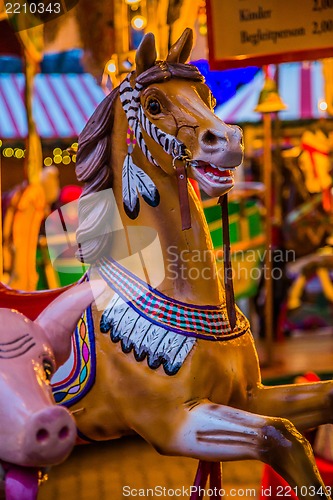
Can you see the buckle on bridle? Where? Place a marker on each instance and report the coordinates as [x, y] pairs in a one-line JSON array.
[[184, 156]]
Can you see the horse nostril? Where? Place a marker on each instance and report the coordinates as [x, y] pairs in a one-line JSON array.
[[238, 133], [64, 432], [209, 138], [42, 435]]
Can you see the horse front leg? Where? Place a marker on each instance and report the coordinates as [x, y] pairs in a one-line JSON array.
[[214, 432], [305, 405]]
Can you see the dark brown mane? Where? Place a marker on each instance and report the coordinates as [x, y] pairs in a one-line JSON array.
[[94, 162], [93, 156], [163, 71]]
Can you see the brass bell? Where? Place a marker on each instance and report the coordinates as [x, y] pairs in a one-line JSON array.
[[269, 100]]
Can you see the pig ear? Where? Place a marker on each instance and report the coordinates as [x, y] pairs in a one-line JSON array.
[[60, 317]]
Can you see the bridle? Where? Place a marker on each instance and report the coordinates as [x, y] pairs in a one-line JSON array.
[[138, 122], [181, 159]]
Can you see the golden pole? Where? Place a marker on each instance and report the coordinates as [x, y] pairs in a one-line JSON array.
[[121, 29], [267, 157], [32, 41], [269, 102], [34, 156]]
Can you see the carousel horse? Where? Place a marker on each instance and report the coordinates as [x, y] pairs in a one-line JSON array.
[[24, 209], [306, 194], [170, 356], [34, 432], [308, 215]]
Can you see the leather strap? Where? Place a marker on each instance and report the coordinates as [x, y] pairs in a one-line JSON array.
[[205, 471], [228, 279], [185, 212]]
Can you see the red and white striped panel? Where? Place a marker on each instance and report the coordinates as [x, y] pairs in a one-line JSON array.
[[301, 88], [61, 107]]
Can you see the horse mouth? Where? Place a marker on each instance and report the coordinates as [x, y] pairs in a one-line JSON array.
[[213, 179], [218, 175]]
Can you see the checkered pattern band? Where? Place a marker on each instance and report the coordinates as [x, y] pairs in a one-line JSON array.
[[206, 321]]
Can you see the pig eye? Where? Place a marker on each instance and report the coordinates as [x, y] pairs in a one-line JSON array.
[[48, 369]]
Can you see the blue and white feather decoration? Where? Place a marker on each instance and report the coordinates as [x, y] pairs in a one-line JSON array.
[[135, 181]]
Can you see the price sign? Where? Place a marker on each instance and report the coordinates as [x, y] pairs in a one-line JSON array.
[[254, 32]]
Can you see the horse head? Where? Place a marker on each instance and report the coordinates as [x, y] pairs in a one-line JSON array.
[[159, 120], [175, 100]]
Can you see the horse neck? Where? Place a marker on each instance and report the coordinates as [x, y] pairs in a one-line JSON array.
[[180, 264]]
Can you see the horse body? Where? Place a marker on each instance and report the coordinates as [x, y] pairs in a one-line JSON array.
[[160, 394], [177, 283], [128, 396]]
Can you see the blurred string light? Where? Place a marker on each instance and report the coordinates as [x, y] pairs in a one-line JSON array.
[[18, 153], [8, 152], [66, 160], [139, 22], [111, 66], [48, 161], [65, 156], [133, 3], [12, 153], [322, 105], [109, 78]]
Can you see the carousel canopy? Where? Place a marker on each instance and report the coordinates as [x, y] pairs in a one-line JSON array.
[[301, 88], [61, 107]]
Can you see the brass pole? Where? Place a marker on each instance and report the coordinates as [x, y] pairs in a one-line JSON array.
[[267, 157], [34, 155]]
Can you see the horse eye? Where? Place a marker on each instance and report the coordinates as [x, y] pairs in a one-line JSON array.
[[154, 107], [48, 369]]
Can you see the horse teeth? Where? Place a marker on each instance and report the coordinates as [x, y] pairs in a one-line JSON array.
[[216, 178]]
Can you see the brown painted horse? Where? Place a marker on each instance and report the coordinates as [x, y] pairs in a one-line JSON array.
[[170, 366]]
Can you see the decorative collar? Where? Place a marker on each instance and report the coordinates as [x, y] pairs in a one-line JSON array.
[[201, 321]]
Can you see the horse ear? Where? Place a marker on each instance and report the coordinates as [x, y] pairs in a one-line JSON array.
[[146, 54], [181, 49]]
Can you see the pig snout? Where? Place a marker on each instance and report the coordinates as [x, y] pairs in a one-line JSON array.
[[50, 436]]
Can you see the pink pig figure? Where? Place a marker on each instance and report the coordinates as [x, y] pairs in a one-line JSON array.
[[34, 432]]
